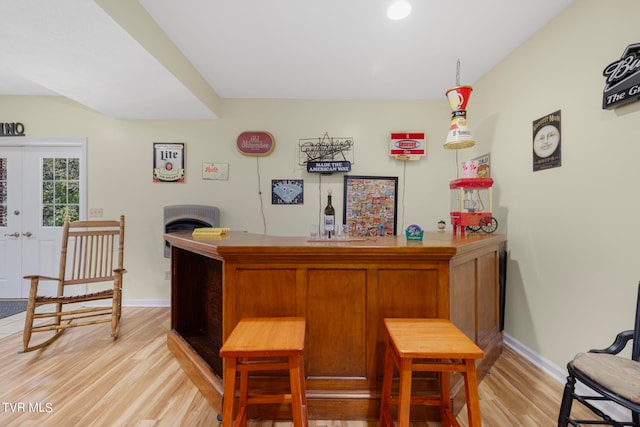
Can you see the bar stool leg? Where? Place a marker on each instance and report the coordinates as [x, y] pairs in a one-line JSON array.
[[387, 379], [298, 394], [471, 389], [404, 402], [241, 416], [303, 391], [229, 392], [445, 403]]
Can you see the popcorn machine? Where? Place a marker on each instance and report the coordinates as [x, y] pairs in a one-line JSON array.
[[471, 201]]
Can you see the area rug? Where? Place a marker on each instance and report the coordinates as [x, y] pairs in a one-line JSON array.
[[9, 308]]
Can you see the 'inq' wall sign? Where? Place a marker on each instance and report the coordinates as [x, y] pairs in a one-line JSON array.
[[11, 129], [623, 79]]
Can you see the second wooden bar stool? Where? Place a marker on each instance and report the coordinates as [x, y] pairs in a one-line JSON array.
[[252, 346], [428, 345]]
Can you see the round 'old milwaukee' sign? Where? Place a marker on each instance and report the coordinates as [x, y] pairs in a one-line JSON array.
[[256, 143]]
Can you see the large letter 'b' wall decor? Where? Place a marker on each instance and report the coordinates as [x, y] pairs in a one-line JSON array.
[[623, 79]]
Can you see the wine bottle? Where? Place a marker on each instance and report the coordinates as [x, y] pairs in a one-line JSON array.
[[329, 217]]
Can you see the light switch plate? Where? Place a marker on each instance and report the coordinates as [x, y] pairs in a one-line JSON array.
[[95, 212]]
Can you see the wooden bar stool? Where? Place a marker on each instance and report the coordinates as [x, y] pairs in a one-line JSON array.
[[252, 346], [428, 345]]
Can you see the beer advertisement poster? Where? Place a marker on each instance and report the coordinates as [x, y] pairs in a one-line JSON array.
[[547, 148], [168, 162]]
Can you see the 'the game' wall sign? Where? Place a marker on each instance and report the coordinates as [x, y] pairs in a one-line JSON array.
[[623, 79], [256, 143]]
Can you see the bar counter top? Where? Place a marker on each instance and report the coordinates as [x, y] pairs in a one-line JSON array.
[[439, 244]]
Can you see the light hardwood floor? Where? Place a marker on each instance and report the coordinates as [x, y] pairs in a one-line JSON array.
[[86, 379]]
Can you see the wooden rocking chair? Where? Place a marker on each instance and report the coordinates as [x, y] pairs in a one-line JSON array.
[[92, 252]]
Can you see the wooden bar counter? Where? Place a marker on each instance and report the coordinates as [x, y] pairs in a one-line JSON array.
[[344, 289]]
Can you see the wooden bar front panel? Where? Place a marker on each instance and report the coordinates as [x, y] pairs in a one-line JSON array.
[[265, 293], [337, 344]]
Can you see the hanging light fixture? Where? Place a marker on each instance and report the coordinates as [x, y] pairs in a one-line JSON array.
[[459, 135]]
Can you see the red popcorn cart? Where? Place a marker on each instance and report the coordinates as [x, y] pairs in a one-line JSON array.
[[471, 201]]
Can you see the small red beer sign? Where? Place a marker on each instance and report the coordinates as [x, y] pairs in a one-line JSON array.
[[407, 145], [256, 143]]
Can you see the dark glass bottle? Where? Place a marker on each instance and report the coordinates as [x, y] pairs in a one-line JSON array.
[[329, 217]]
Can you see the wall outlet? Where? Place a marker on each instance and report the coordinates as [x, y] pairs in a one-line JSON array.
[[95, 212], [167, 275]]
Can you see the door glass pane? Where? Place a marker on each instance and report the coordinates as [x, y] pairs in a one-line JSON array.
[[47, 169], [60, 190], [60, 169], [74, 169], [47, 192], [3, 192], [48, 216]]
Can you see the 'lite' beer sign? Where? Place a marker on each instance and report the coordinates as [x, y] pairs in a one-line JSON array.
[[168, 162], [623, 79]]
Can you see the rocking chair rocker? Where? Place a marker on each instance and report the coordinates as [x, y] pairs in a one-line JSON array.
[[92, 252]]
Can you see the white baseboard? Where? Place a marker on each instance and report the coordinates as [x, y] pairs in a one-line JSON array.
[[560, 375], [133, 303], [146, 303], [550, 368]]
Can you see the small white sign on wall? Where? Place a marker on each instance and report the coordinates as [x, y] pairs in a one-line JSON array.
[[219, 171]]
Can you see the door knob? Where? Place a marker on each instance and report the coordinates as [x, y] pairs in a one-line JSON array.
[[27, 234], [16, 234]]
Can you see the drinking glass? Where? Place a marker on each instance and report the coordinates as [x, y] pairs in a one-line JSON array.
[[313, 231]]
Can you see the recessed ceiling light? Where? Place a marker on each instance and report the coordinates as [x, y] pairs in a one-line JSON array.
[[399, 10]]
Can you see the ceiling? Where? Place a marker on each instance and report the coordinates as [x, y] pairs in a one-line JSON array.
[[177, 59]]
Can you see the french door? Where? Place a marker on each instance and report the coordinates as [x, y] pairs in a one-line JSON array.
[[41, 182]]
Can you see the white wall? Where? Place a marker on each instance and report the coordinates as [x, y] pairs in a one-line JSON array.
[[574, 258], [573, 263]]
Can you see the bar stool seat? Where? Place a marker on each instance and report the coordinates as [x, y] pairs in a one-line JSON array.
[[428, 345], [264, 344]]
